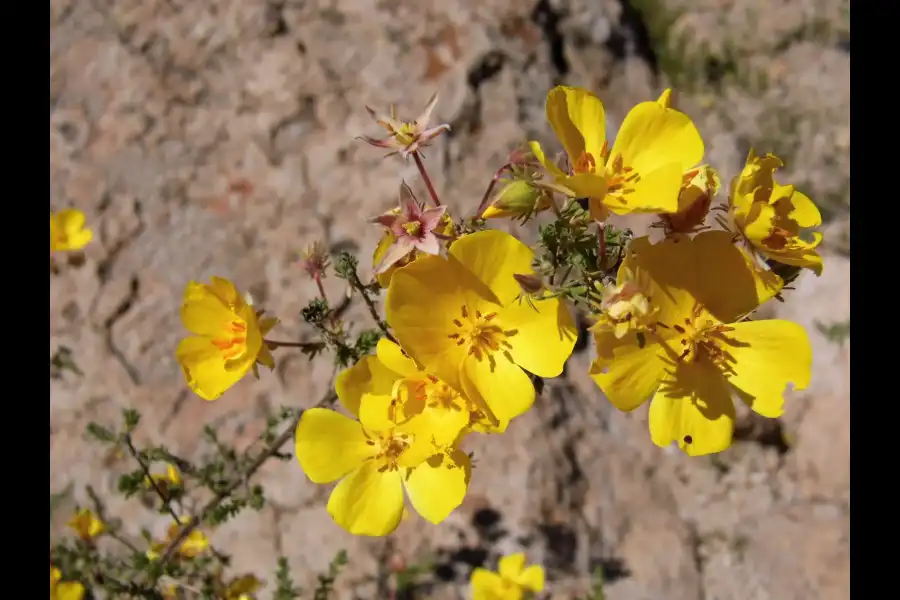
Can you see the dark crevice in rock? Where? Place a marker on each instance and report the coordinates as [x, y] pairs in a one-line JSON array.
[[276, 26], [487, 67], [127, 303], [487, 525], [545, 17], [471, 557], [632, 37], [768, 433], [613, 569], [562, 546]]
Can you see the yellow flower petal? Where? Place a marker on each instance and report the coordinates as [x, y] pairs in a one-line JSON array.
[[173, 475], [486, 585], [68, 590], [493, 257], [500, 388], [367, 502], [544, 338], [767, 356], [424, 329], [717, 259], [652, 137], [693, 407], [660, 144], [67, 231], [437, 486], [803, 211], [205, 371], [329, 445], [511, 565], [548, 164], [195, 544], [587, 185], [685, 268], [205, 309], [532, 578], [86, 524], [368, 376], [625, 372], [665, 99], [578, 119], [391, 355], [376, 412]]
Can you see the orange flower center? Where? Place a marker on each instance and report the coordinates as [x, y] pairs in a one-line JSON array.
[[233, 343], [620, 179], [390, 447], [481, 337], [702, 338], [586, 163]]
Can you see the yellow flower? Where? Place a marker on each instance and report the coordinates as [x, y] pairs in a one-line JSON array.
[[243, 588], [376, 458], [397, 390], [86, 525], [171, 476], [698, 188], [388, 240], [67, 231], [771, 216], [511, 581], [699, 353], [461, 319], [164, 481], [228, 339], [643, 172], [195, 544], [64, 590]]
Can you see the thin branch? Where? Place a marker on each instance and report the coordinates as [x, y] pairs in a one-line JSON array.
[[112, 533], [162, 495], [260, 460], [487, 193], [307, 346], [357, 284]]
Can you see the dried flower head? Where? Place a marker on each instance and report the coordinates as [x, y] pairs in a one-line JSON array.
[[315, 260], [406, 137]]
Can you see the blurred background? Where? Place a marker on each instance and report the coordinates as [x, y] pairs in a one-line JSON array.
[[208, 137]]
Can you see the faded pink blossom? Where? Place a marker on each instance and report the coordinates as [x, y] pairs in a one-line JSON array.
[[406, 137], [413, 228]]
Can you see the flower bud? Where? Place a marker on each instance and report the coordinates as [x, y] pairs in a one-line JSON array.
[[518, 199], [530, 284]]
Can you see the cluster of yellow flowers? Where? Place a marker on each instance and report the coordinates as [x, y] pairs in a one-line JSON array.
[[470, 318]]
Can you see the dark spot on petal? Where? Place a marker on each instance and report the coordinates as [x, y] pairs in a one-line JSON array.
[[688, 439]]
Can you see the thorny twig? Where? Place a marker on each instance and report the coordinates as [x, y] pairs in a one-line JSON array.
[[223, 495], [162, 495]]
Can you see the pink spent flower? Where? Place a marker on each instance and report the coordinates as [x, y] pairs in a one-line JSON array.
[[413, 229]]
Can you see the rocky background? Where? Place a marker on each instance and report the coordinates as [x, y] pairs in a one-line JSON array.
[[210, 137]]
